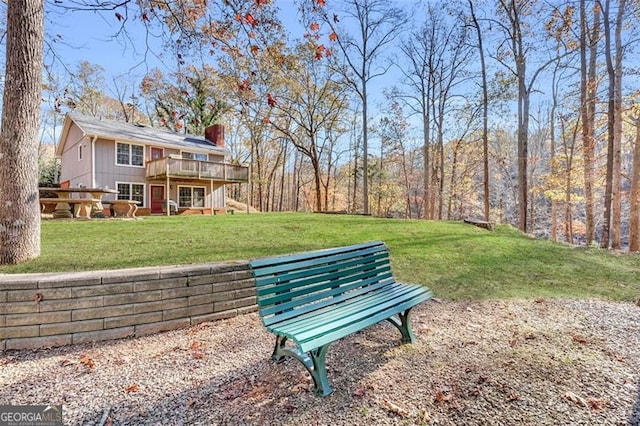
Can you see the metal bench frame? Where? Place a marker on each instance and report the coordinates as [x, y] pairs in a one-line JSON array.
[[312, 299]]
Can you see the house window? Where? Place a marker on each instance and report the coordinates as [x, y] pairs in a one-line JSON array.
[[194, 156], [80, 152], [190, 196], [129, 154], [131, 191]]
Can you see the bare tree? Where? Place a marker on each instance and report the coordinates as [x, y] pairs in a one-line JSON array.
[[20, 213], [517, 47], [378, 25], [485, 113], [308, 108]]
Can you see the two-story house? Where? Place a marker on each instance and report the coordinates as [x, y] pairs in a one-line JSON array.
[[153, 166]]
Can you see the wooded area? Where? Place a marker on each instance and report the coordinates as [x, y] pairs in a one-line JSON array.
[[512, 111]]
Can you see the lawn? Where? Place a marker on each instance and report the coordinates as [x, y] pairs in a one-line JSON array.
[[455, 260]]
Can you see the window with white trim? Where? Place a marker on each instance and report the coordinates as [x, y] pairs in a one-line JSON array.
[[194, 156], [128, 154], [131, 191], [191, 196]]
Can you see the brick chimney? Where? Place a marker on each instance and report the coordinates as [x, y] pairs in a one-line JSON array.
[[215, 135]]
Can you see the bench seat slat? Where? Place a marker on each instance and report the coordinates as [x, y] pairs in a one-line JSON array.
[[360, 325], [335, 310], [337, 296], [321, 323]]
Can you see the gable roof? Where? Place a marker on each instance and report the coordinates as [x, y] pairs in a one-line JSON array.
[[128, 132]]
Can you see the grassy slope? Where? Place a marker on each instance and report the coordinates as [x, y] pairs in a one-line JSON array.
[[457, 261]]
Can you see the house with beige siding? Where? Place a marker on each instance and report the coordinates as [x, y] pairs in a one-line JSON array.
[[155, 167]]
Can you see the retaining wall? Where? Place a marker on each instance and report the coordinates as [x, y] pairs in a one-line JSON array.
[[44, 310]]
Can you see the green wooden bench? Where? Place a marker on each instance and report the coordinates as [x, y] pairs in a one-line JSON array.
[[313, 299]]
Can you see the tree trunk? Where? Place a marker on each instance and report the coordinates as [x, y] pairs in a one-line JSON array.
[[427, 162], [20, 212], [365, 149], [552, 167], [588, 88], [606, 224], [485, 115], [616, 201], [634, 209]]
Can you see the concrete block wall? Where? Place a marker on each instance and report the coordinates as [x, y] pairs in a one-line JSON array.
[[45, 310]]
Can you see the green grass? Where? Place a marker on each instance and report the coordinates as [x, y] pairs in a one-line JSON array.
[[457, 261]]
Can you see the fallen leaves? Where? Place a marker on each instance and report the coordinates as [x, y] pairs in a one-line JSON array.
[[443, 396], [132, 388], [88, 362], [579, 339], [360, 392], [394, 408], [575, 398], [197, 349], [597, 404]]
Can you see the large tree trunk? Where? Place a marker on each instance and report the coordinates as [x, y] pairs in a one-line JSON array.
[[20, 211], [608, 192], [588, 88], [634, 210]]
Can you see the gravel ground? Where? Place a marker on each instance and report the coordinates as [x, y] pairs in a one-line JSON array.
[[544, 362]]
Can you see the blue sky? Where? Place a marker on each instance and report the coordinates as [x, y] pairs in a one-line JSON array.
[[90, 36]]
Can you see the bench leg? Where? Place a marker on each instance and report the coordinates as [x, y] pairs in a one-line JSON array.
[[403, 323], [313, 361]]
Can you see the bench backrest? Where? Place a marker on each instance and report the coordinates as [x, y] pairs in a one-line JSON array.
[[288, 286]]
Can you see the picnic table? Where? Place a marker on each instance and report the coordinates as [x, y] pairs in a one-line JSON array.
[[87, 202]]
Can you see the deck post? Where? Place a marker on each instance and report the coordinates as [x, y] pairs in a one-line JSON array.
[[167, 194]]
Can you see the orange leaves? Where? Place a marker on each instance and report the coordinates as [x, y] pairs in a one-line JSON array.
[[333, 37], [321, 3], [245, 85], [442, 396], [246, 19], [322, 51], [579, 339], [88, 362], [196, 349], [271, 100], [132, 388], [254, 49], [314, 26]]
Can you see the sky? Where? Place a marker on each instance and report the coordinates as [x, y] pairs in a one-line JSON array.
[[89, 36], [76, 36]]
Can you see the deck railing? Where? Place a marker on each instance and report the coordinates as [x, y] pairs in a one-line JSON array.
[[197, 169]]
